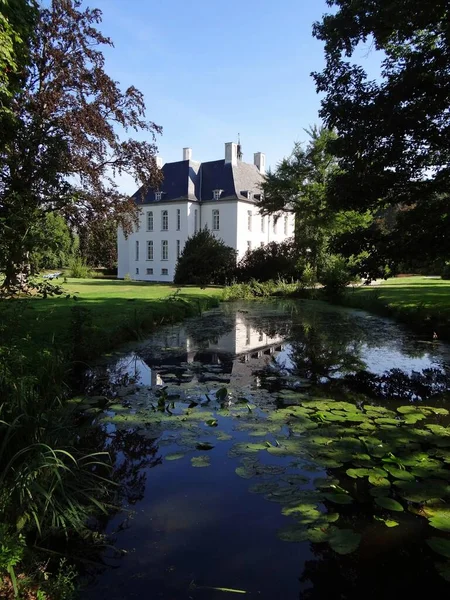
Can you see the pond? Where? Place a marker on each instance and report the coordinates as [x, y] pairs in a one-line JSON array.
[[279, 449]]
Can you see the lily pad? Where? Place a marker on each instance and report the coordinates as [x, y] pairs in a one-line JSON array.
[[379, 481], [175, 456], [388, 522], [204, 446], [200, 461], [440, 546], [389, 504], [344, 541], [399, 473], [294, 533], [358, 473], [338, 498], [438, 516]]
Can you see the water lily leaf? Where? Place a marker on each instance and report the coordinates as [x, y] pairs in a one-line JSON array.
[[223, 437], [399, 473], [443, 569], [294, 533], [338, 498], [317, 535], [438, 516], [265, 487], [356, 473], [244, 472], [423, 491], [387, 522], [211, 422], [440, 546], [204, 446], [387, 421], [389, 504], [175, 456], [434, 472], [344, 541], [436, 410], [200, 461], [379, 481]]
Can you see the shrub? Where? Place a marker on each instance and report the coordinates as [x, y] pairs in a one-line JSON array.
[[205, 260], [78, 269], [445, 274], [272, 261], [335, 275]]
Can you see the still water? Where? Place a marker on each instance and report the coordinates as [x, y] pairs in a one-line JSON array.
[[284, 449]]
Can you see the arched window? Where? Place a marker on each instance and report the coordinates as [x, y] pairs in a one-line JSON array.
[[216, 220], [165, 220], [164, 250], [150, 221]]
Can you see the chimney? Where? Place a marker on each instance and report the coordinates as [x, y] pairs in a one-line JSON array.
[[187, 153], [231, 153], [159, 162], [259, 160]]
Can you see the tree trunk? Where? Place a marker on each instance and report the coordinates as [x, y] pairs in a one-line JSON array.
[[17, 272]]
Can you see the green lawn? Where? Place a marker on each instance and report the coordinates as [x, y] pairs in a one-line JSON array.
[[422, 302], [118, 311], [413, 292]]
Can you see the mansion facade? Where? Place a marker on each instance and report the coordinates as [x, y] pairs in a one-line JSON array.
[[220, 195]]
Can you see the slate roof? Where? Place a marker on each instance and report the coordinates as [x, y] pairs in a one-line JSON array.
[[190, 180]]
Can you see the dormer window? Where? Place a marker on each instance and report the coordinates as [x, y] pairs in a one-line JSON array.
[[217, 194], [158, 196], [249, 194]]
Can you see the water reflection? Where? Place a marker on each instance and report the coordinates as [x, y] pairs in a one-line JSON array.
[[310, 341], [203, 525]]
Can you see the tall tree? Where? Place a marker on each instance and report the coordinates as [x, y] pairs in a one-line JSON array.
[[98, 243], [65, 148], [17, 18], [299, 184], [393, 142]]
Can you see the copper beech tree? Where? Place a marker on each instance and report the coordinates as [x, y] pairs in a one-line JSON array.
[[67, 140]]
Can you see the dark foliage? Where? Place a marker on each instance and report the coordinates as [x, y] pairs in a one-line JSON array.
[[393, 145], [272, 261], [98, 243], [205, 260], [61, 150]]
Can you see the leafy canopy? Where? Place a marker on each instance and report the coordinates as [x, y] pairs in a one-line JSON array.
[[62, 149], [393, 143], [205, 260]]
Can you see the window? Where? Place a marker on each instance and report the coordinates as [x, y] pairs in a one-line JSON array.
[[249, 246], [285, 225], [150, 250], [249, 220], [261, 244], [261, 336], [263, 224], [217, 194], [164, 250], [275, 220], [137, 250], [164, 220], [164, 271], [195, 221], [158, 196], [249, 195], [178, 219], [215, 220], [137, 270], [178, 248], [150, 221], [149, 271], [248, 331]]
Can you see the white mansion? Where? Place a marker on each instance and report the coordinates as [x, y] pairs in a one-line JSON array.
[[219, 194]]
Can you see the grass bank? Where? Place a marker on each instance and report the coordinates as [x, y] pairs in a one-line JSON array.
[[94, 316], [423, 303]]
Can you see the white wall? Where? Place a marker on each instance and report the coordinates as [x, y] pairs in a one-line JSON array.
[[233, 230], [227, 220], [127, 248], [257, 236]]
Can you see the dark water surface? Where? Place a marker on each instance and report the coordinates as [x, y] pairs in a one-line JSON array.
[[260, 423]]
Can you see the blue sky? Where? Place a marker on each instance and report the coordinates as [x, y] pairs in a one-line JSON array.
[[210, 70]]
